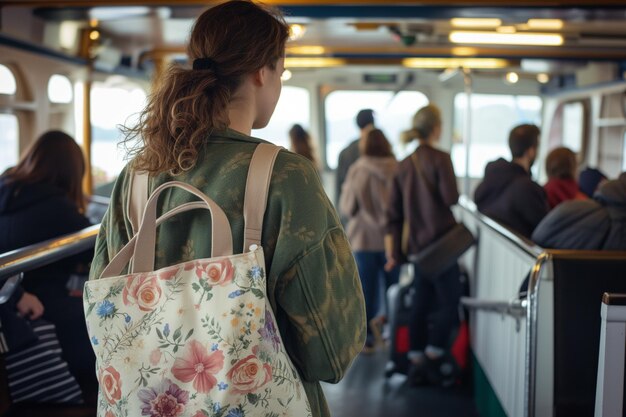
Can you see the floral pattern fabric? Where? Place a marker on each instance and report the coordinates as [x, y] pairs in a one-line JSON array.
[[311, 279], [195, 339]]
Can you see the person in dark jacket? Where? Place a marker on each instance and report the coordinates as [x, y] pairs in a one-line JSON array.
[[561, 168], [597, 224], [423, 191], [41, 198], [508, 194], [348, 156], [364, 199]]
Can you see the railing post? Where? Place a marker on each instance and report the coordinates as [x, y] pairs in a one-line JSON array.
[[611, 362]]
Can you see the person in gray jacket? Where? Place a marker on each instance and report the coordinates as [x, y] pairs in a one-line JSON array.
[[597, 224], [364, 198]]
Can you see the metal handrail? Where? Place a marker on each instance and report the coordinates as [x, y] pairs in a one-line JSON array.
[[100, 200], [519, 241], [44, 253], [515, 308]]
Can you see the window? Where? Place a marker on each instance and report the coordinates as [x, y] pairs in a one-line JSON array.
[[9, 141], [292, 107], [492, 118], [59, 89], [393, 114], [113, 103], [7, 81], [573, 126]]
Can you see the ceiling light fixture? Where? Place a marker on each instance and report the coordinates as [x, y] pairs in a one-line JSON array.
[[464, 51], [545, 24], [537, 39], [543, 78], [286, 75], [440, 63], [512, 77], [306, 50], [296, 31], [314, 62], [461, 22]]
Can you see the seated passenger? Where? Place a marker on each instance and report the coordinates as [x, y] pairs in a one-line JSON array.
[[364, 198], [42, 198], [561, 169], [35, 371], [508, 194], [598, 224], [590, 179]]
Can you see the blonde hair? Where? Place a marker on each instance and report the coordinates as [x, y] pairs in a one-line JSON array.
[[424, 123], [229, 41]]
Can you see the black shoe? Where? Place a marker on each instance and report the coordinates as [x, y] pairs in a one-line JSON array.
[[417, 374], [442, 371]]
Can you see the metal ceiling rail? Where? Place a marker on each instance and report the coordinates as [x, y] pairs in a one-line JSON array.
[[44, 253]]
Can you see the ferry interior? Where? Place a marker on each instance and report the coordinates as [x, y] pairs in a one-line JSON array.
[[87, 66]]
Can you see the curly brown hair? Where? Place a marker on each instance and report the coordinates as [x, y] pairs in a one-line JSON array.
[[236, 38]]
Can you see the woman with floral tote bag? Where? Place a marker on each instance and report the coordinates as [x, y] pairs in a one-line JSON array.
[[196, 130]]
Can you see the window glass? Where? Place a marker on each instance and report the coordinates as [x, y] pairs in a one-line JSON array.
[[7, 81], [59, 89], [492, 118], [292, 107], [573, 123], [9, 141], [112, 105], [392, 112]]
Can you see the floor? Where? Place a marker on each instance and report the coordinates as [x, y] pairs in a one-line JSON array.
[[365, 392]]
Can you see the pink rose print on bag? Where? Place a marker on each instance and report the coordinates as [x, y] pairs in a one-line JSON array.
[[249, 374], [165, 400], [144, 291], [110, 384], [199, 366], [216, 273], [109, 414]]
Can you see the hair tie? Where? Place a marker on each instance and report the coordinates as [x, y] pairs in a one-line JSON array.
[[204, 64]]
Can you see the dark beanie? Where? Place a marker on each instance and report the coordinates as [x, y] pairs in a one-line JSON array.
[[589, 179], [365, 117]]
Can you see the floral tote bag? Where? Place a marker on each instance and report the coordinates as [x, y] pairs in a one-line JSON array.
[[194, 339]]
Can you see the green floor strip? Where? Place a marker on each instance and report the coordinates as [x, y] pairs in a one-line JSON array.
[[487, 401]]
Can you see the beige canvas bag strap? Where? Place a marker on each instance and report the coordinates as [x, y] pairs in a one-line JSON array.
[[138, 198], [257, 187]]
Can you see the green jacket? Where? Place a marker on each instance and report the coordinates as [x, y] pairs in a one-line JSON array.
[[313, 283]]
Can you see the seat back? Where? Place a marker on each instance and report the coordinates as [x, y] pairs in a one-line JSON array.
[[580, 280]]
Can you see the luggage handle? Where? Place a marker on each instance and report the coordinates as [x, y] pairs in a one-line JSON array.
[[143, 256]]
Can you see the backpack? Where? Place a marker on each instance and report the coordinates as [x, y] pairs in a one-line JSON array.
[[198, 338]]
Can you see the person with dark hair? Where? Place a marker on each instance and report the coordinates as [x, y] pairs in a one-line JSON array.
[[423, 192], [590, 179], [364, 198], [507, 193], [348, 156], [42, 198], [561, 169], [591, 224], [196, 129], [301, 143]]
